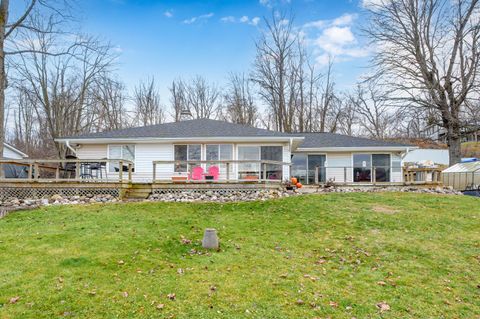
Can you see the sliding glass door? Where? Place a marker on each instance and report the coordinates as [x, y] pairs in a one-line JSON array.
[[254, 170], [316, 169], [363, 165]]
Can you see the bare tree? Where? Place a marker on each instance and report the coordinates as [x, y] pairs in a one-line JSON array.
[[59, 86], [148, 109], [371, 104], [10, 35], [428, 53], [276, 71], [239, 102], [348, 117], [203, 98], [178, 99], [108, 99]]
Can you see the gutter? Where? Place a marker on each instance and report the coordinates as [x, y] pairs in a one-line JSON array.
[[67, 143]]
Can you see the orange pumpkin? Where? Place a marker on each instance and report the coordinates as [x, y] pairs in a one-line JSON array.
[[294, 180], [299, 185]]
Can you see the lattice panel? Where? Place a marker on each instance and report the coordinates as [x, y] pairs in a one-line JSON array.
[[24, 193]]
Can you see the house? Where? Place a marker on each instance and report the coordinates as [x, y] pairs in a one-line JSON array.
[[186, 149], [11, 153]]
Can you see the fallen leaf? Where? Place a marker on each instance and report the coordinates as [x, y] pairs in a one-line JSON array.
[[320, 261], [125, 294], [160, 306], [14, 299], [381, 283], [299, 302], [180, 271], [383, 306], [121, 262], [213, 288], [171, 296], [283, 276], [333, 304], [60, 279]]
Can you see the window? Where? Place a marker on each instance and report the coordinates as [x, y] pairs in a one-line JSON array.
[[191, 152], [256, 153], [222, 152], [362, 168], [248, 170], [363, 165], [381, 163], [272, 153], [125, 152], [315, 161], [299, 167]]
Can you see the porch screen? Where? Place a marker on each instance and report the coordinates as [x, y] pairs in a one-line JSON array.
[[249, 170]]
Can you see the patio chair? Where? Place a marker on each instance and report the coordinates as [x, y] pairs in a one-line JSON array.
[[197, 173], [214, 171]]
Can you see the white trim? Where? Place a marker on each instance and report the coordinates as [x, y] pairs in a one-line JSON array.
[[191, 140], [13, 149]]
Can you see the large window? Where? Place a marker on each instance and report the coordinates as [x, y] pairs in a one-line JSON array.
[[222, 152], [191, 152], [256, 171], [363, 165], [272, 153], [125, 152], [249, 170]]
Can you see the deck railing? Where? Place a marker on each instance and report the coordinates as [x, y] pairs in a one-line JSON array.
[[197, 171], [58, 170], [345, 174]]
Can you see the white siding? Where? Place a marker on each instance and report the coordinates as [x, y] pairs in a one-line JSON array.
[[8, 153], [92, 151], [397, 174], [145, 154], [336, 163]]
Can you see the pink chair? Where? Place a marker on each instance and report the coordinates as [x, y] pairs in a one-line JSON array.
[[197, 173], [214, 171]]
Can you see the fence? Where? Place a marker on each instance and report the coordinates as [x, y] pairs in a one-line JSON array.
[[211, 171], [57, 170]]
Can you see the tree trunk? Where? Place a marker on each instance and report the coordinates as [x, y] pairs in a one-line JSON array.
[[3, 22], [454, 145]]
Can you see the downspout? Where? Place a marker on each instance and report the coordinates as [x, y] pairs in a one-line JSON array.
[[67, 144]]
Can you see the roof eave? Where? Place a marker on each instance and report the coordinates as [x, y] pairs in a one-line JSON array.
[[355, 148], [178, 139]]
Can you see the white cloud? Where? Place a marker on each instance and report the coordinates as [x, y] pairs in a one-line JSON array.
[[273, 3], [168, 13], [334, 39], [243, 19], [230, 19], [198, 18]]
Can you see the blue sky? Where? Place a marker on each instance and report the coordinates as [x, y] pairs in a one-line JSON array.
[[170, 39]]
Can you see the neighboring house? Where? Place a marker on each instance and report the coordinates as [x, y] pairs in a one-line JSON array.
[[338, 157], [437, 156], [10, 170], [469, 133], [11, 152]]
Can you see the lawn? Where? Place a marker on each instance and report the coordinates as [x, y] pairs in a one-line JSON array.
[[315, 256]]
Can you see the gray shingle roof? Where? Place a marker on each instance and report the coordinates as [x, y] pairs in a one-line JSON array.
[[317, 140], [212, 128], [190, 128]]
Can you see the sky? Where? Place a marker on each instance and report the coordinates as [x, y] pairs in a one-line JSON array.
[[170, 39]]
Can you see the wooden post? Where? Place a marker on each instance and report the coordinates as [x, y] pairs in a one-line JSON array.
[[36, 172], [120, 171], [345, 175], [316, 174], [57, 171], [30, 171], [264, 172], [130, 172], [228, 172], [374, 176], [77, 170], [154, 175]]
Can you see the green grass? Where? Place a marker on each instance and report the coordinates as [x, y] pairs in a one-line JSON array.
[[330, 251]]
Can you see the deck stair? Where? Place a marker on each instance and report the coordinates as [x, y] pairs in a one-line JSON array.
[[138, 191]]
